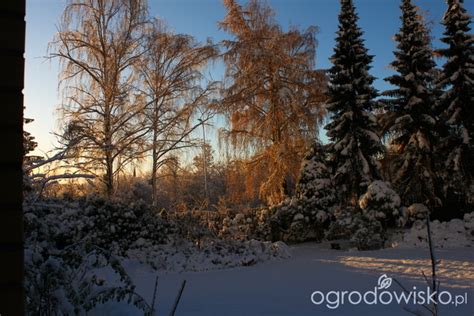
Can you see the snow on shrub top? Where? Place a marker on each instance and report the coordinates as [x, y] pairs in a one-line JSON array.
[[380, 191], [381, 202]]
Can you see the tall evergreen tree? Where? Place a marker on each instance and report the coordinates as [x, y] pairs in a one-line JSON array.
[[409, 120], [456, 103], [355, 142]]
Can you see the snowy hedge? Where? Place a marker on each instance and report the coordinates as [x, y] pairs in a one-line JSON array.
[[451, 234], [365, 224], [93, 220], [184, 255], [69, 245]]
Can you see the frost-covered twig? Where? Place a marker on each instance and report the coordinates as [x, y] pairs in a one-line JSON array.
[[176, 302], [154, 296], [433, 266]]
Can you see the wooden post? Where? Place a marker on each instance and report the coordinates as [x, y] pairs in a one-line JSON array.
[[12, 48]]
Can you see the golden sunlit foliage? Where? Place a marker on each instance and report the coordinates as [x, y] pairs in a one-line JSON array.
[[272, 96]]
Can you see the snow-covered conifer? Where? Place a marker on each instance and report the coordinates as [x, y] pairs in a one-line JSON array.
[[353, 132], [315, 188], [456, 103], [410, 119]]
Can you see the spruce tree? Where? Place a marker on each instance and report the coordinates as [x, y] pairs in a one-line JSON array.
[[355, 142], [305, 216], [315, 190], [409, 115], [456, 105]]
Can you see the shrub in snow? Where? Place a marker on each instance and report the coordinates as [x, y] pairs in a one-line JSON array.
[[365, 224], [238, 227], [368, 233], [95, 221], [70, 281], [192, 226], [292, 222], [305, 216], [455, 233], [315, 190], [68, 244], [469, 224], [365, 233], [417, 211], [342, 223], [251, 224], [133, 190], [122, 224], [184, 255], [381, 203], [264, 225]]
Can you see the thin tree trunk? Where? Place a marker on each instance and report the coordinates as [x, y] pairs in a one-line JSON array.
[[109, 162], [109, 181], [154, 170], [154, 167]]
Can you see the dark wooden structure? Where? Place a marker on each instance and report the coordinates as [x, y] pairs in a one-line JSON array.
[[12, 48]]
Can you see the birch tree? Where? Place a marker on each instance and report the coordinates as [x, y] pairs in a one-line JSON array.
[[272, 94], [98, 45], [173, 88]]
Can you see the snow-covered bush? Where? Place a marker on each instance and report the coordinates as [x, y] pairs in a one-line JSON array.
[[194, 226], [368, 233], [70, 281], [365, 224], [469, 224], [417, 211], [315, 189], [94, 221], [238, 227], [305, 216], [134, 189], [455, 233], [68, 243], [381, 203], [342, 223], [350, 223], [64, 261], [247, 225], [293, 222], [184, 255]]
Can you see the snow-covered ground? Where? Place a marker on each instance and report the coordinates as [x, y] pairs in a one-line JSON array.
[[284, 287]]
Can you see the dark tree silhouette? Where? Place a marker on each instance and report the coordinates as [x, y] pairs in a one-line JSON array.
[[12, 21], [455, 107], [353, 131], [410, 119]]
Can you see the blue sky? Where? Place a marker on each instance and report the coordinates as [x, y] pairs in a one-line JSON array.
[[378, 18]]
